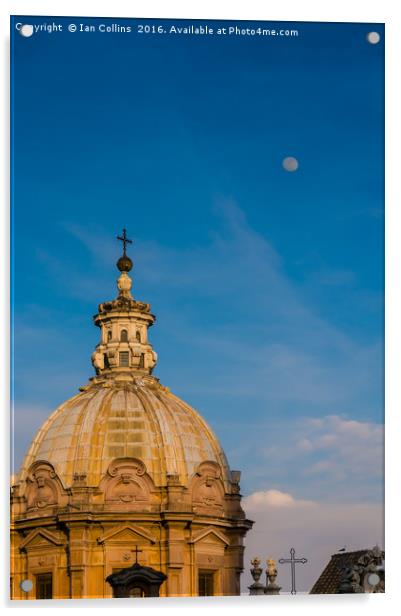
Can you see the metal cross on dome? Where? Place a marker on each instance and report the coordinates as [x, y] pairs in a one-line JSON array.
[[293, 562], [124, 239]]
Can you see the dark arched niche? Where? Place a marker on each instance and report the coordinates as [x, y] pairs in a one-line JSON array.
[[136, 581]]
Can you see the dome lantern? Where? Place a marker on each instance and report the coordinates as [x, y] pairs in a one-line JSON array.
[[124, 349]]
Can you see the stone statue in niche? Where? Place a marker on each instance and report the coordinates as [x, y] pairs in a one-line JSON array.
[[98, 360]]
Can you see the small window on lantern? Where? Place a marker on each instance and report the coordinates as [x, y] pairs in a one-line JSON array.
[[124, 335], [109, 334], [138, 336]]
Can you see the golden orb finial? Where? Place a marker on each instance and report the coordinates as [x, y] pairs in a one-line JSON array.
[[124, 263]]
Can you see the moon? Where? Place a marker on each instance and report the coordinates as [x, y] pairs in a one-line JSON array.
[[290, 163]]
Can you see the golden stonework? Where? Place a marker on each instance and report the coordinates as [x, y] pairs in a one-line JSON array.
[[125, 463]]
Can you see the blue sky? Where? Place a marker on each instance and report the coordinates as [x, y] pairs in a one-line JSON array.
[[267, 285]]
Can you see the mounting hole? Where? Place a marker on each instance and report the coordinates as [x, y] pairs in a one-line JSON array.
[[373, 37], [26, 585], [373, 579], [26, 30]]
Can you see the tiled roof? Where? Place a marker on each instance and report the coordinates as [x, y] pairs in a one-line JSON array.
[[329, 580]]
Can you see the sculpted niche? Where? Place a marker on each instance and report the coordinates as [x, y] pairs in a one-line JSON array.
[[43, 487], [127, 485], [207, 489]]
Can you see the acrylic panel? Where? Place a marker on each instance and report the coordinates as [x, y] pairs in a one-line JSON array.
[[197, 308]]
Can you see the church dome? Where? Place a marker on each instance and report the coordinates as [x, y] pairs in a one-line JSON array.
[[139, 419], [125, 464], [124, 412]]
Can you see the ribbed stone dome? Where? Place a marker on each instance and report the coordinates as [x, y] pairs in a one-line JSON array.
[[125, 463], [137, 419]]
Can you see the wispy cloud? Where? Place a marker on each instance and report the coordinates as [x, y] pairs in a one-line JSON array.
[[333, 458], [244, 311], [329, 458], [333, 277], [349, 449]]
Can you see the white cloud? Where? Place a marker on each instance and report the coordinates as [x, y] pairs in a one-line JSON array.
[[273, 498]]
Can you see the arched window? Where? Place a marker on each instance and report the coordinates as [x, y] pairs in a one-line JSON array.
[[138, 336], [109, 334], [124, 335]]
